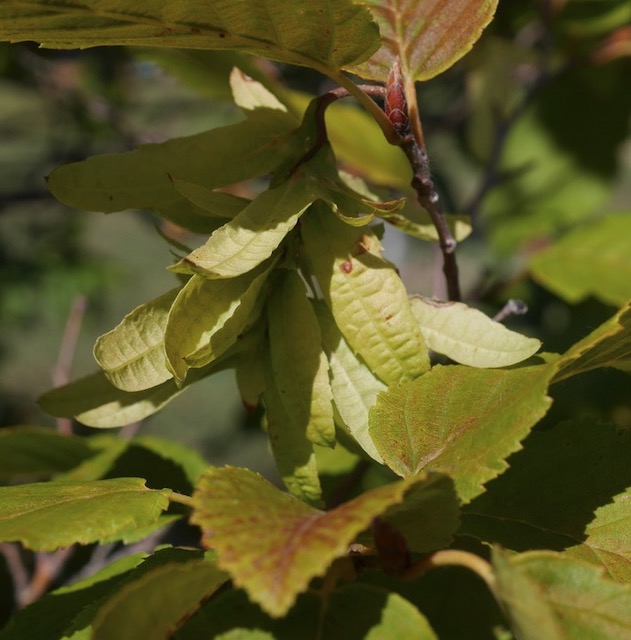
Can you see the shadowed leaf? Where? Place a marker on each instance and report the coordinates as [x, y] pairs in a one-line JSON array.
[[567, 490], [461, 421]]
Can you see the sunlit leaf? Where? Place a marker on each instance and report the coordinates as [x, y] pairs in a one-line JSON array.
[[39, 452], [207, 317], [314, 33], [591, 260], [548, 596], [132, 354], [428, 36], [251, 237], [366, 296], [418, 224], [141, 179], [250, 94], [461, 421], [607, 346], [353, 384], [259, 531], [566, 491], [299, 366], [468, 336], [50, 515], [96, 402]]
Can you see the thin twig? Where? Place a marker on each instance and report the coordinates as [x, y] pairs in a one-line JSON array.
[[17, 570], [48, 567], [512, 308], [67, 349]]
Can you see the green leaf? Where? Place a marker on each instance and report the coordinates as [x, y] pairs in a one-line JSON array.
[[259, 531], [251, 237], [27, 452], [155, 603], [458, 420], [319, 33], [47, 516], [293, 451], [607, 346], [366, 296], [96, 402], [548, 596], [359, 611], [417, 224], [428, 37], [66, 609], [468, 336], [299, 366], [590, 260], [140, 179], [353, 384], [132, 354], [207, 317], [217, 204], [250, 370], [564, 491]]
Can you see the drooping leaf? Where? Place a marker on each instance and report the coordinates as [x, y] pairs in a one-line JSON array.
[[353, 384], [299, 366], [607, 346], [293, 451], [132, 354], [96, 402], [365, 295], [552, 597], [140, 179], [47, 516], [259, 531], [428, 36], [461, 421], [250, 369], [207, 317], [251, 237], [158, 601], [566, 491], [321, 34], [468, 336], [591, 260], [27, 452]]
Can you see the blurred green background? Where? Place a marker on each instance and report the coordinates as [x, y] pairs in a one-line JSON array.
[[529, 134]]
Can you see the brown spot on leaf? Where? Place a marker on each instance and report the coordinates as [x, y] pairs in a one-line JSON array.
[[347, 266]]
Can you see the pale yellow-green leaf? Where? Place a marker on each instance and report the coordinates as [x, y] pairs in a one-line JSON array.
[[468, 336], [293, 451], [366, 296], [132, 354], [354, 386], [207, 317], [251, 237], [299, 366], [250, 94], [324, 34]]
